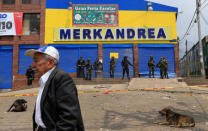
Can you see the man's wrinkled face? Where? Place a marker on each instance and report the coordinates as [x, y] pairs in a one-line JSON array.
[[41, 64]]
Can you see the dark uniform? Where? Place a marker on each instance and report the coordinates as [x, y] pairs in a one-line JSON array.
[[151, 65], [161, 65], [98, 68], [30, 73], [125, 65], [166, 68], [88, 70], [80, 68], [112, 67]]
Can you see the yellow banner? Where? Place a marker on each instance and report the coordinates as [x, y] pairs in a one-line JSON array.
[[115, 55], [112, 34]]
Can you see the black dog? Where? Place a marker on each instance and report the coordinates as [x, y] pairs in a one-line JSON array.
[[19, 105]]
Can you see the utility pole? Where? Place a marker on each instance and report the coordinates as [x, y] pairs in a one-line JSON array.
[[187, 60], [186, 48], [198, 4]]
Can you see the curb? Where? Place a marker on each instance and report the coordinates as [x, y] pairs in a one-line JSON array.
[[109, 91]]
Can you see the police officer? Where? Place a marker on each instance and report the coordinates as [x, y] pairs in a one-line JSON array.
[[112, 64], [80, 68], [161, 65], [97, 67], [30, 73], [165, 62], [125, 65], [88, 69], [151, 65]]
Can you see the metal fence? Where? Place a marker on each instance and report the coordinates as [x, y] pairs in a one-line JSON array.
[[190, 69]]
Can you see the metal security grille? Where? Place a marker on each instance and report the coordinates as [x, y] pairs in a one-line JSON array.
[[122, 50], [157, 51], [69, 54], [6, 54], [25, 61]]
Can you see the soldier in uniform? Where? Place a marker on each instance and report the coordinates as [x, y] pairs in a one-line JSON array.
[[165, 68], [112, 67], [80, 68], [88, 69], [161, 65], [151, 65], [125, 65], [30, 73], [97, 67]]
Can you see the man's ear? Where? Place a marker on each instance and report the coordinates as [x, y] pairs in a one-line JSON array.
[[51, 62]]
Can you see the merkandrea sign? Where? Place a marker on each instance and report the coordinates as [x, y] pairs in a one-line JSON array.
[[11, 23], [95, 15], [112, 34]]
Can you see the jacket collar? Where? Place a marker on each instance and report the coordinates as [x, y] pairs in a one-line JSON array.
[[47, 86]]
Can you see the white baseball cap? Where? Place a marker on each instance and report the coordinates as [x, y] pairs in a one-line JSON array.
[[49, 50]]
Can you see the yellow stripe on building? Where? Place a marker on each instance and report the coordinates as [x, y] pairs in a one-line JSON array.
[[62, 18]]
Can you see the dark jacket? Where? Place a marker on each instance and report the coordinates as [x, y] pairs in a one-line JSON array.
[[97, 65], [88, 66], [60, 107], [30, 73], [161, 64], [151, 63], [80, 64], [125, 64], [112, 64]]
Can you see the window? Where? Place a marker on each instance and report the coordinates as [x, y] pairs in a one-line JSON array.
[[31, 24], [8, 2], [34, 2]]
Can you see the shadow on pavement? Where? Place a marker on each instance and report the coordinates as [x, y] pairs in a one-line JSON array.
[[119, 121]]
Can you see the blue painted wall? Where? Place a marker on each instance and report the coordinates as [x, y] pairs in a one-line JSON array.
[[136, 5]]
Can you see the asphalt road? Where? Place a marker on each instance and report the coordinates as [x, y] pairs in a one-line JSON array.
[[121, 110]]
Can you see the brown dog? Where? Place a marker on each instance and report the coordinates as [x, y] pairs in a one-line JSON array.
[[163, 111], [176, 119]]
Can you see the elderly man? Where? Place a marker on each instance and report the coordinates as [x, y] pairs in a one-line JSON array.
[[57, 106]]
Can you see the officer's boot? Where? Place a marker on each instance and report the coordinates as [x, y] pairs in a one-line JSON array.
[[86, 77], [90, 76], [149, 74], [123, 74], [122, 77]]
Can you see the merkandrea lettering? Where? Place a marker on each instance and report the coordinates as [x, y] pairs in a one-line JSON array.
[[111, 33], [76, 34], [141, 33], [120, 34], [97, 33], [86, 34], [65, 34], [161, 34], [130, 33]]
